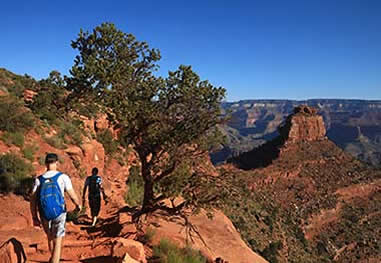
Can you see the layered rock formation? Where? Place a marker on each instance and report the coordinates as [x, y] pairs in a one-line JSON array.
[[254, 122], [313, 191], [304, 125]]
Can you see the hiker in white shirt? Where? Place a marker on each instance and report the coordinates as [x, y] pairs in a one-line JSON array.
[[55, 227]]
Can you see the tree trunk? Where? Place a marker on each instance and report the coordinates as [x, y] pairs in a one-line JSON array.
[[148, 201]]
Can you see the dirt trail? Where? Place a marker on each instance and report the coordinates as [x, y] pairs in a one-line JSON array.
[[82, 242]]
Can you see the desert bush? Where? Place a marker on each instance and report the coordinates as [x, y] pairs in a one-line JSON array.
[[15, 138], [55, 141], [168, 252], [106, 139], [18, 118], [29, 151], [134, 196], [14, 174], [148, 236], [70, 133]]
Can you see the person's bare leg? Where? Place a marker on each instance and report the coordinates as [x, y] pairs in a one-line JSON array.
[[94, 220], [50, 245], [57, 250]]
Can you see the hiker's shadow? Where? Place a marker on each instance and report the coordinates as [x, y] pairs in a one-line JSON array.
[[17, 247]]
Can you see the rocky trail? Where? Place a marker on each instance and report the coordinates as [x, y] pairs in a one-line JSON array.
[[82, 243]]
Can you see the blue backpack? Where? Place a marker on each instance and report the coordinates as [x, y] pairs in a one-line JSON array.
[[51, 201]]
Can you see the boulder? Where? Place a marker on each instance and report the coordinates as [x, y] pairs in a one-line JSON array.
[[12, 251], [101, 123], [131, 247], [127, 259], [93, 156]]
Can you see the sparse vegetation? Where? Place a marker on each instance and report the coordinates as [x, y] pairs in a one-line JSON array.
[[29, 151], [134, 195], [55, 141], [13, 138], [15, 174], [18, 118], [106, 138], [168, 252]]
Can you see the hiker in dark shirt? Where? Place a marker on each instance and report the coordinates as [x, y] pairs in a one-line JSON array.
[[94, 183]]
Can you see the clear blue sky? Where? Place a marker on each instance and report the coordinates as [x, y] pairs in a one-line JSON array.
[[283, 49]]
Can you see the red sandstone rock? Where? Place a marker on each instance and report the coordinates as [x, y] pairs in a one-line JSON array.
[[304, 125], [221, 238], [12, 251], [131, 247], [127, 259], [93, 156], [29, 94], [102, 123]]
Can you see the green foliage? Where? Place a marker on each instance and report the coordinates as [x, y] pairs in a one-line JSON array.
[[106, 138], [168, 252], [134, 196], [15, 138], [160, 118], [16, 84], [49, 103], [18, 119], [148, 235], [272, 251], [55, 141], [29, 151], [70, 133], [15, 174]]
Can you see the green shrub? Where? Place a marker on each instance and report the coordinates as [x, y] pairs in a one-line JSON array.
[[29, 152], [18, 119], [55, 141], [70, 133], [134, 196], [106, 139], [168, 252], [15, 174], [148, 235], [15, 138]]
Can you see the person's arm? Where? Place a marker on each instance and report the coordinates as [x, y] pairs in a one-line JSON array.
[[73, 196], [70, 190], [84, 193], [33, 207], [105, 198]]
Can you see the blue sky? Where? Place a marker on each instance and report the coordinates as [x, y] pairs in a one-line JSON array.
[[255, 49]]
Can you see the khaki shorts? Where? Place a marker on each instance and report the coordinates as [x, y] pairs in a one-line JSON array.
[[56, 227]]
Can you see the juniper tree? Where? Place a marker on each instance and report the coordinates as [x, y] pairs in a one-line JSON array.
[[168, 121]]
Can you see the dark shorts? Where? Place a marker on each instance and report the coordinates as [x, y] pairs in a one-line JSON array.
[[95, 205]]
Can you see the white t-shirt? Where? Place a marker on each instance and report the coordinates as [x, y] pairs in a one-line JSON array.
[[63, 181]]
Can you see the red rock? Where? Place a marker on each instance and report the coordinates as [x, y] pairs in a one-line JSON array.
[[127, 259], [131, 247], [93, 156], [304, 125], [12, 251], [221, 238], [102, 123], [29, 94]]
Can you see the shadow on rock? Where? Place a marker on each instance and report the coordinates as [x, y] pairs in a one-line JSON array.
[[12, 251]]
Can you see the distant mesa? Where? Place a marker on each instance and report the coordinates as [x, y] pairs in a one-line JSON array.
[[304, 125]]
